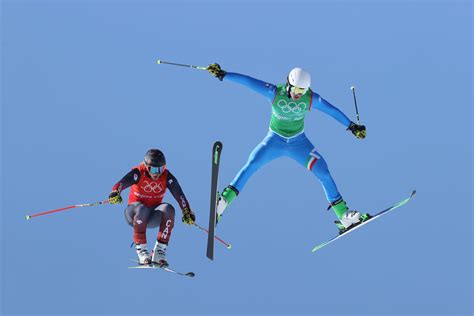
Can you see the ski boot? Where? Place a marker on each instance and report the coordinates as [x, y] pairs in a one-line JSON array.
[[348, 219], [159, 255], [143, 254], [224, 199], [221, 206]]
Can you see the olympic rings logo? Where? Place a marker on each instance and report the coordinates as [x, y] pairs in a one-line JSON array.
[[287, 107], [152, 187]]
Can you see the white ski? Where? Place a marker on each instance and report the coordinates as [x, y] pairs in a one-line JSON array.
[[157, 266]]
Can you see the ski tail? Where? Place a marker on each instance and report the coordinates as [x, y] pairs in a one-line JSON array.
[[216, 157]]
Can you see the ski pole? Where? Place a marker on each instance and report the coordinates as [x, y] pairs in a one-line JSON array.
[[159, 62], [216, 237], [27, 217], [355, 102]]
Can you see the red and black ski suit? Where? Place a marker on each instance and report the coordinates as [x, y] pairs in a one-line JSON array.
[[145, 206]]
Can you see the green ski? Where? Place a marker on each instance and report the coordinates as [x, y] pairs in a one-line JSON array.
[[391, 208]]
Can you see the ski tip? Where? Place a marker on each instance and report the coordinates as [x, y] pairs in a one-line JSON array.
[[218, 145], [316, 248], [190, 274], [319, 246], [413, 193]]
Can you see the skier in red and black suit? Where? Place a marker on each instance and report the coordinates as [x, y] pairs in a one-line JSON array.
[[149, 182]]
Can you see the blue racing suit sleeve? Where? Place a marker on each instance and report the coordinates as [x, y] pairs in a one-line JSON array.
[[266, 89], [326, 107]]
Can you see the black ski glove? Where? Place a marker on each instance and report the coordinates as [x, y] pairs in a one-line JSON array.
[[114, 197], [357, 130], [216, 71], [188, 216]]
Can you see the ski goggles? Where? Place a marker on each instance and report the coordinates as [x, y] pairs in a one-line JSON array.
[[156, 170], [297, 90]]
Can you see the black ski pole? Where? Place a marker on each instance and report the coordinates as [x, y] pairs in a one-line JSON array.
[[355, 102], [160, 62]]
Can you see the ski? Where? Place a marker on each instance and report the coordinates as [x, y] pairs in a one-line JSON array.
[[216, 157], [377, 215], [157, 266]]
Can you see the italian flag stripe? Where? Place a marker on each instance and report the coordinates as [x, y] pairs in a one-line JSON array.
[[312, 160]]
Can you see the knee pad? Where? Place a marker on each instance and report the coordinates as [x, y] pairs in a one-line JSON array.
[[142, 213]]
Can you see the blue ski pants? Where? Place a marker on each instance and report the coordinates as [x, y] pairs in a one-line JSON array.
[[300, 149]]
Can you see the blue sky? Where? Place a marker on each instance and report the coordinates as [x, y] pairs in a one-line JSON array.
[[82, 100]]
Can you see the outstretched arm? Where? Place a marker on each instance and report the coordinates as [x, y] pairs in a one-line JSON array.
[[261, 87], [359, 131], [326, 107]]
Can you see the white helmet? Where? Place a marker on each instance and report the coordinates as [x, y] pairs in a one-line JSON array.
[[300, 78]]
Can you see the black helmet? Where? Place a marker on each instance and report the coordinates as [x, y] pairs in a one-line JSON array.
[[154, 158]]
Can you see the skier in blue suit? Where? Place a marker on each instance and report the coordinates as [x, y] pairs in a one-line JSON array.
[[290, 102]]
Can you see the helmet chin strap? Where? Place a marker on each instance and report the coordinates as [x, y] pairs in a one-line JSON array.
[[288, 94]]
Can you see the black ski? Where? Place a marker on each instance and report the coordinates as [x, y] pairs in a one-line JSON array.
[[216, 157]]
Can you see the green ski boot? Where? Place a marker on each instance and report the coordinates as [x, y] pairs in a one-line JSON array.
[[224, 200], [347, 219]]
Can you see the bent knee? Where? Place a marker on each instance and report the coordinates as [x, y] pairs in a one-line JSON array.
[[166, 209]]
